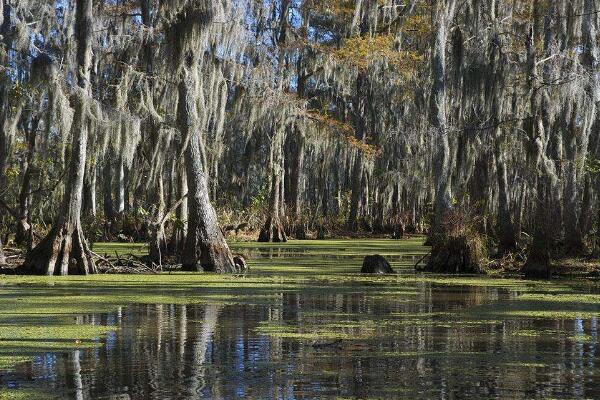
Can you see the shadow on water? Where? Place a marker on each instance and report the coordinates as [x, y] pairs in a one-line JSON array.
[[289, 332]]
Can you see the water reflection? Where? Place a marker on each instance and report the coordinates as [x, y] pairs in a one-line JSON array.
[[391, 347], [330, 339]]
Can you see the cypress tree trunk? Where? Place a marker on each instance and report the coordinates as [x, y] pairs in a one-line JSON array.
[[206, 247], [23, 226], [360, 133], [65, 250], [273, 230], [538, 260], [4, 152], [505, 227], [295, 185], [180, 230], [573, 237], [453, 251], [2, 255], [120, 186], [585, 221], [158, 240], [357, 179], [438, 102], [89, 193], [5, 137], [107, 203], [590, 61]]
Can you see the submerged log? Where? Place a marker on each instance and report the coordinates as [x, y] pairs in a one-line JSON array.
[[376, 264]]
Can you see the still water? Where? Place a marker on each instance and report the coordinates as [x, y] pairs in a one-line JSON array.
[[303, 324]]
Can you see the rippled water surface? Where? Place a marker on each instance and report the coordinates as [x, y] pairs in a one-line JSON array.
[[302, 324]]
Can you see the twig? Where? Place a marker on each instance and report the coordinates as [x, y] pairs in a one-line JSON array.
[[421, 259], [102, 258]]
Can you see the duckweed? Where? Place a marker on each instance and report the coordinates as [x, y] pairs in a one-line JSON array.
[[349, 311]]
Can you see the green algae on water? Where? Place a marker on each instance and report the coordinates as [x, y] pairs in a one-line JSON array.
[[24, 394], [37, 314]]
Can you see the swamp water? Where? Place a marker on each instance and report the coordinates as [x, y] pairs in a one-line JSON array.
[[302, 324]]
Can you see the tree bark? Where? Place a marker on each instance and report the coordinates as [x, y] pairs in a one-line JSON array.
[[294, 169], [505, 227], [442, 16], [23, 234], [585, 221], [180, 230], [65, 250], [357, 170], [120, 187], [158, 240], [107, 202], [89, 193], [357, 179], [538, 260], [273, 230], [206, 247], [5, 136], [2, 255], [573, 237]]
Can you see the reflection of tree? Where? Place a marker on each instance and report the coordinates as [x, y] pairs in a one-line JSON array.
[[200, 348], [77, 381], [467, 347]]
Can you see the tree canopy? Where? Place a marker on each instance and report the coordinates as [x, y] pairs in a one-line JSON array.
[[473, 121]]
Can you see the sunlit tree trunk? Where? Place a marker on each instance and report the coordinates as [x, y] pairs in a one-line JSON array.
[[443, 13], [2, 255], [294, 171], [206, 247], [120, 186], [273, 230], [4, 140], [89, 192], [5, 133], [181, 229], [158, 240], [23, 234], [65, 250]]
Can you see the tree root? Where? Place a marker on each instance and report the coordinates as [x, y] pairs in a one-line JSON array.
[[63, 251], [272, 231]]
